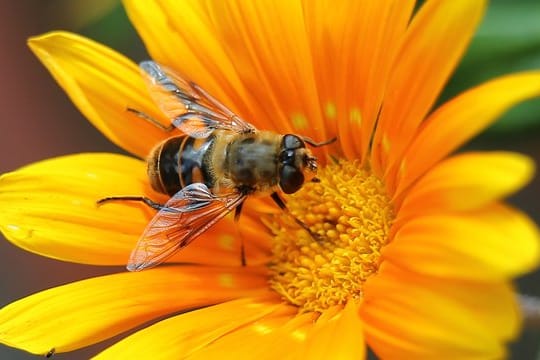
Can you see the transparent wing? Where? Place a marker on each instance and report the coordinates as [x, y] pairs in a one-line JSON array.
[[190, 108], [189, 213]]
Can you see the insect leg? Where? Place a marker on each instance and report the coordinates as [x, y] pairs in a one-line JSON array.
[[151, 120], [282, 206], [154, 205], [237, 212]]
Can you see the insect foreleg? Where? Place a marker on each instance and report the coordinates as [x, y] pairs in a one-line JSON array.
[[237, 212], [282, 206]]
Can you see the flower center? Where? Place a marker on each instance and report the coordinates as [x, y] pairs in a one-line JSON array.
[[352, 214]]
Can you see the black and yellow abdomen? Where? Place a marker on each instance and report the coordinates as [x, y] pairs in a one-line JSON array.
[[178, 162]]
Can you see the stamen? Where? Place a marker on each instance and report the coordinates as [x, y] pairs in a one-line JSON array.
[[350, 210]]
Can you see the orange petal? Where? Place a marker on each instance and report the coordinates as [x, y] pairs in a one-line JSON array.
[[323, 343], [185, 334], [241, 53], [222, 243], [410, 316], [50, 208], [181, 35], [82, 313], [102, 84], [491, 244], [353, 47], [461, 118], [241, 56], [467, 181], [434, 43]]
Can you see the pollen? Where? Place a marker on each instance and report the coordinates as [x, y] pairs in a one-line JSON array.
[[349, 216]]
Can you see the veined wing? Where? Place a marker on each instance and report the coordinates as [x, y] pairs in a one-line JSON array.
[[190, 108], [188, 214]]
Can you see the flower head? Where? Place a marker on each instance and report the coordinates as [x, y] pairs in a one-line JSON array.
[[414, 249]]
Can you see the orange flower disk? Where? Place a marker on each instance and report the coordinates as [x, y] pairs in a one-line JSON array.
[[418, 249]]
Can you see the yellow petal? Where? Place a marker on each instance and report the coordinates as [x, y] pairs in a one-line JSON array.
[[180, 336], [493, 243], [82, 313], [431, 49], [467, 181], [340, 337], [410, 316], [289, 339], [50, 208], [461, 118], [102, 84], [277, 336], [353, 47], [254, 341]]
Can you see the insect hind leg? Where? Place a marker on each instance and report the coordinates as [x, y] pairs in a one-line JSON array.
[[151, 120], [150, 203]]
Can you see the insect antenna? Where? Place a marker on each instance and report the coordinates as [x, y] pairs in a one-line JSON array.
[[318, 144]]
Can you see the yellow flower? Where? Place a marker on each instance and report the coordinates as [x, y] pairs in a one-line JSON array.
[[418, 249]]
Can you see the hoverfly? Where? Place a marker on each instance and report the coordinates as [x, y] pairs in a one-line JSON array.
[[211, 169]]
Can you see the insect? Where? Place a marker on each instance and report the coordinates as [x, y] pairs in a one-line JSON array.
[[50, 353], [211, 169]]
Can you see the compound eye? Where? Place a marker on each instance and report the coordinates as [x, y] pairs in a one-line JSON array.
[[290, 179], [292, 142], [286, 157]]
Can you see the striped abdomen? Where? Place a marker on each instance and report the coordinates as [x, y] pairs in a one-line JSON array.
[[178, 162]]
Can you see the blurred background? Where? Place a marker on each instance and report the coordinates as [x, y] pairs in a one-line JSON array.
[[37, 120]]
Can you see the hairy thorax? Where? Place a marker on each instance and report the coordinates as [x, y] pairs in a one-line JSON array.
[[249, 161]]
